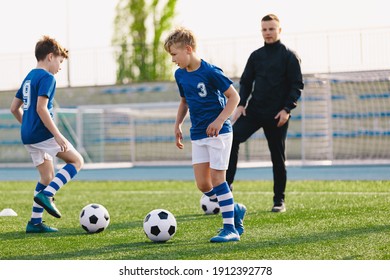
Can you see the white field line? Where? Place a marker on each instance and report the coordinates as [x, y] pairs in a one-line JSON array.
[[235, 192]]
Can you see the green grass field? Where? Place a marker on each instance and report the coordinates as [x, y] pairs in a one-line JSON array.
[[325, 220]]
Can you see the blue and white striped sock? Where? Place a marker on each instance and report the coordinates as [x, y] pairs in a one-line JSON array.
[[62, 177], [37, 210], [226, 203], [212, 195]]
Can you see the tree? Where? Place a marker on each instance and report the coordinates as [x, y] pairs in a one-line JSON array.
[[138, 57]]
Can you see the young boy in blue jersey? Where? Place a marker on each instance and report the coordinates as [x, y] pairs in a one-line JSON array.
[[40, 134], [211, 99]]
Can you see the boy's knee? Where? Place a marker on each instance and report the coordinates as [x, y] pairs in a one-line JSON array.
[[77, 161], [80, 163], [47, 178]]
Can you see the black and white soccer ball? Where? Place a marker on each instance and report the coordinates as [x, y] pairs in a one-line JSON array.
[[160, 225], [209, 207], [94, 218]]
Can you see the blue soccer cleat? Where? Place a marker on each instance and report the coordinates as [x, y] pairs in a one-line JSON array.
[[239, 214], [39, 228], [47, 203], [226, 236]]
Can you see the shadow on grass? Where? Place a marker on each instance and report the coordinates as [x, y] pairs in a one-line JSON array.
[[63, 232], [180, 249]]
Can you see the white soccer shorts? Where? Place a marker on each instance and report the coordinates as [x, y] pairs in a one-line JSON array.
[[215, 150], [45, 150]]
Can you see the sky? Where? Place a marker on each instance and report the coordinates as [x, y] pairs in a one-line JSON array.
[[82, 24], [223, 18], [85, 27]]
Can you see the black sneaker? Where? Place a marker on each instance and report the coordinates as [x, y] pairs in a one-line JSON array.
[[279, 207]]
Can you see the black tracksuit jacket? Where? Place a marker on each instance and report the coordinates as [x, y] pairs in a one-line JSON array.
[[273, 77]]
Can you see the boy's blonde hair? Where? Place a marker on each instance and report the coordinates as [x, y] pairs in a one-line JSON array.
[[49, 45], [181, 36]]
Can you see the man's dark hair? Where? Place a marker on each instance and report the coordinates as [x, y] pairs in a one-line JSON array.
[[270, 17]]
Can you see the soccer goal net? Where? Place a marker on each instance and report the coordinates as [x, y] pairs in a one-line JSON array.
[[346, 117], [341, 118]]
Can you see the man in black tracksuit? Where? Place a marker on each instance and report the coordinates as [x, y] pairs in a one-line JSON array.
[[273, 79]]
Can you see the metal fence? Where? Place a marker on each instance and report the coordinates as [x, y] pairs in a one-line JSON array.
[[341, 118]]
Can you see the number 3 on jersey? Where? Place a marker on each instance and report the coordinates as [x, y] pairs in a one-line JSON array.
[[26, 94], [203, 91]]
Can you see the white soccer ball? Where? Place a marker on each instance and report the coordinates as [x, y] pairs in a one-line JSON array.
[[94, 218], [160, 225], [209, 207]]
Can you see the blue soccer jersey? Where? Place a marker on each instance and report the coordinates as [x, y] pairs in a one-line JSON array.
[[204, 90], [38, 82]]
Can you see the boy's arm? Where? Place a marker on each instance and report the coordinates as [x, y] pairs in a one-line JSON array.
[[16, 109], [233, 99], [181, 114], [44, 115]]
